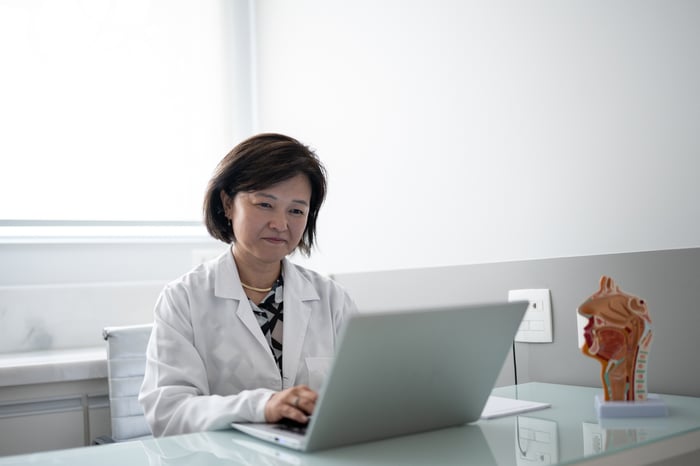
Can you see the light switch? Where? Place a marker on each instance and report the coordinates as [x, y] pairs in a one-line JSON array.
[[536, 326]]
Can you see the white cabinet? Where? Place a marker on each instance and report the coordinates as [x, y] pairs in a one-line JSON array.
[[52, 416]]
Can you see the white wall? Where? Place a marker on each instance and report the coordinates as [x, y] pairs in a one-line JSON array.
[[457, 132], [460, 132]]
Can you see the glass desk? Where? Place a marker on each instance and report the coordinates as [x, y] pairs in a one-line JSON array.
[[566, 433]]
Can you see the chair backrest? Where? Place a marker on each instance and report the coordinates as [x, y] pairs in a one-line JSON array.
[[126, 364]]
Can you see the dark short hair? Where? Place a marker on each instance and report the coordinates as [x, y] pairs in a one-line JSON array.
[[258, 163]]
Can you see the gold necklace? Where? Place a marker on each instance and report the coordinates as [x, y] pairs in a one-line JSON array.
[[252, 288]]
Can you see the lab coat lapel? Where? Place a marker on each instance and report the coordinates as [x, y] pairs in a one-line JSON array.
[[299, 294], [228, 285]]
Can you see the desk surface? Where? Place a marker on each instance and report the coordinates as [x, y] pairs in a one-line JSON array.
[[566, 433]]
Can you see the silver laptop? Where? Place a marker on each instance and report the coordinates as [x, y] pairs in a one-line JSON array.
[[399, 373]]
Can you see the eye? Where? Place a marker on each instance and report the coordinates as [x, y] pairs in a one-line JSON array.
[[265, 205], [296, 212]]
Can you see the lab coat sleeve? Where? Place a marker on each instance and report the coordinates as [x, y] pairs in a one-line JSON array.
[[175, 393]]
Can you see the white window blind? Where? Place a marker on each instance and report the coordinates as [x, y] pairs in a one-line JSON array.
[[117, 111]]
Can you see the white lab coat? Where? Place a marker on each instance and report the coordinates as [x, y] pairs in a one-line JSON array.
[[208, 363]]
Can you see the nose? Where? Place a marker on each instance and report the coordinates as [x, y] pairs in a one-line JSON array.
[[278, 221]]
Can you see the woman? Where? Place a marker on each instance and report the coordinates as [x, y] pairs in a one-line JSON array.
[[249, 336]]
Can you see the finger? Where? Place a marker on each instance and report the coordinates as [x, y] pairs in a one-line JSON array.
[[306, 405], [296, 414], [306, 393]]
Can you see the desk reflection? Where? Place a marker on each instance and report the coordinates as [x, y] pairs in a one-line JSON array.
[[536, 441], [619, 433]]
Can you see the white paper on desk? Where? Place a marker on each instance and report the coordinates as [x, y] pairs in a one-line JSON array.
[[497, 406]]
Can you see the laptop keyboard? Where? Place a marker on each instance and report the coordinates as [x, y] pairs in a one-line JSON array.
[[293, 426]]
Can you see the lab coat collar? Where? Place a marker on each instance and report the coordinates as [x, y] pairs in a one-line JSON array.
[[228, 284], [299, 292]]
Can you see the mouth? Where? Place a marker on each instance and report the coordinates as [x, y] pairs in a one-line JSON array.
[[273, 240]]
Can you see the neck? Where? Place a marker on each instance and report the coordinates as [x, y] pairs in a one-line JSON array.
[[255, 276]]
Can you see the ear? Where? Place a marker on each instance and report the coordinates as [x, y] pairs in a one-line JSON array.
[[226, 201]]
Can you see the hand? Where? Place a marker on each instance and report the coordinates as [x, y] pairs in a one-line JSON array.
[[296, 403]]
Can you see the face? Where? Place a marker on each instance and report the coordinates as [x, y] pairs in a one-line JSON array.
[[269, 224]]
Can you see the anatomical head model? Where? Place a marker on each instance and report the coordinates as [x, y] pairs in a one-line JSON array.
[[618, 335]]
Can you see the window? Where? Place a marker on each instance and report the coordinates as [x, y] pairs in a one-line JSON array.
[[116, 112]]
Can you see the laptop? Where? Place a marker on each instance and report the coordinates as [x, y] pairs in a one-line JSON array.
[[403, 372]]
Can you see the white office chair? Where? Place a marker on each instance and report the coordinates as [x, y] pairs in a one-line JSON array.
[[126, 364]]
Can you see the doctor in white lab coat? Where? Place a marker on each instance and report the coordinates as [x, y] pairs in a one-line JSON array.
[[248, 336]]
